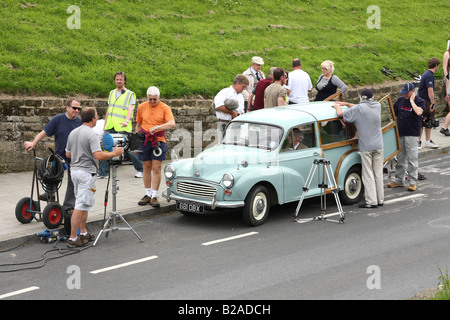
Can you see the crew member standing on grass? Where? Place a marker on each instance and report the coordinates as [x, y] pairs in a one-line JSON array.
[[83, 147], [60, 126], [367, 118], [119, 117], [153, 118]]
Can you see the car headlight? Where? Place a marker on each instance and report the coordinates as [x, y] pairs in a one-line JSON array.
[[169, 171], [228, 180]]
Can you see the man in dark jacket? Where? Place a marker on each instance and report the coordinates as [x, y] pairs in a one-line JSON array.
[[408, 110]]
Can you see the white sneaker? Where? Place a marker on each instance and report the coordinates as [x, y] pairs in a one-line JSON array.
[[419, 145], [139, 174], [431, 144]]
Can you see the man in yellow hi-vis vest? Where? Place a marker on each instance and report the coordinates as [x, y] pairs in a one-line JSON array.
[[118, 118]]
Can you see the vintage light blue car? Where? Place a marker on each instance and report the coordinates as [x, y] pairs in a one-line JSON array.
[[266, 156]]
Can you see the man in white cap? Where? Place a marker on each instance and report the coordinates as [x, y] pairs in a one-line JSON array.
[[254, 75], [408, 110]]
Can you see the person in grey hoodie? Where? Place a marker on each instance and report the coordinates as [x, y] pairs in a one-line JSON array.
[[366, 115]]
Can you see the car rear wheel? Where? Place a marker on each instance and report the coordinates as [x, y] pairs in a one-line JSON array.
[[257, 206], [353, 187]]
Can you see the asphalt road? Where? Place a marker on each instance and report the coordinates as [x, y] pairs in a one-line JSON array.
[[388, 253]]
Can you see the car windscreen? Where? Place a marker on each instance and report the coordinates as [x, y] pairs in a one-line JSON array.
[[253, 135]]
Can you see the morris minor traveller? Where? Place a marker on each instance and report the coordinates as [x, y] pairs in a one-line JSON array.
[[265, 157]]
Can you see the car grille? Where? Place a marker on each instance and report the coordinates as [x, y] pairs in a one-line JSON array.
[[196, 190]]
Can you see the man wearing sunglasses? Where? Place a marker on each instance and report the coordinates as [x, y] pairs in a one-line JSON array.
[[60, 126]]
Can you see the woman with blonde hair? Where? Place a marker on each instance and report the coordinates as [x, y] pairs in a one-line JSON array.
[[328, 82]]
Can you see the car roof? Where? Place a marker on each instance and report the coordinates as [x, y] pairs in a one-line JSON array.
[[289, 115]]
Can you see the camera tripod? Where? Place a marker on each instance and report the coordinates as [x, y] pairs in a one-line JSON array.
[[110, 223], [328, 173]]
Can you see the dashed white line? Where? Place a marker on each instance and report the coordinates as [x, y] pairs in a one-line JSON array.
[[230, 238], [124, 264], [15, 293]]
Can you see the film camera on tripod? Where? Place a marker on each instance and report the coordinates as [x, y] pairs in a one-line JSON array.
[[128, 141]]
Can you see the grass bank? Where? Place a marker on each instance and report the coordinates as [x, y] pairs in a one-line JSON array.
[[191, 47]]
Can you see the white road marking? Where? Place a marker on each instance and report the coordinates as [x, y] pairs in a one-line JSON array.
[[230, 238], [14, 293], [416, 195], [123, 265]]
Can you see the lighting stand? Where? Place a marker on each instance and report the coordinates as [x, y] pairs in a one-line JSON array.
[[328, 173], [110, 223]]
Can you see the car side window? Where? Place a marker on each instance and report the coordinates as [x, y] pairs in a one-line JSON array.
[[335, 131], [300, 137]]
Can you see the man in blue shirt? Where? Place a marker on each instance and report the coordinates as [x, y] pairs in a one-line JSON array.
[[426, 92], [60, 126], [408, 110]]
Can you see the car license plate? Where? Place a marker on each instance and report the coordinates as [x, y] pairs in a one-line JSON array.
[[190, 207]]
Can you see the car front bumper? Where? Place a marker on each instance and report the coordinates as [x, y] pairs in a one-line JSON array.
[[210, 203]]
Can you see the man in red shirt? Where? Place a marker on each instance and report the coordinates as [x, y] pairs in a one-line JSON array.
[[153, 118], [258, 93]]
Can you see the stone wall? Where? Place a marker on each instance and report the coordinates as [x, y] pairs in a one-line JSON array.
[[22, 118]]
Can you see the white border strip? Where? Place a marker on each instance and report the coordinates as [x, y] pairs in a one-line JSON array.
[[416, 195], [230, 238], [7, 295], [123, 265]]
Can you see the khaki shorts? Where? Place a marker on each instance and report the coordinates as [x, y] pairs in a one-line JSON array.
[[84, 185]]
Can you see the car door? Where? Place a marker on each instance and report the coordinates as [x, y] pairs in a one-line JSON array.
[[391, 139], [297, 154]]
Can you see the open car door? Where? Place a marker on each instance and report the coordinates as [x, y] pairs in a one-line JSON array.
[[391, 140]]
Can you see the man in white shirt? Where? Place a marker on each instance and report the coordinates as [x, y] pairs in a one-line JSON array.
[[299, 84], [234, 92]]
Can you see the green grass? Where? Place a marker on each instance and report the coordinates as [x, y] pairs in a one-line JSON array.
[[190, 47], [444, 284]]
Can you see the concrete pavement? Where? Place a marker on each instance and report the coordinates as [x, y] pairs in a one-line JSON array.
[[15, 186]]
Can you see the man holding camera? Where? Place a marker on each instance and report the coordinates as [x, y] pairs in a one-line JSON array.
[[153, 118], [83, 148], [224, 112], [426, 92], [408, 110]]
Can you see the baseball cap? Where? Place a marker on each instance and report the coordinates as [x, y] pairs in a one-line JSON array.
[[368, 93], [258, 60], [407, 87]]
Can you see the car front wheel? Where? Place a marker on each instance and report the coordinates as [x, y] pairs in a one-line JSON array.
[[257, 206]]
